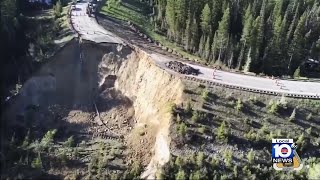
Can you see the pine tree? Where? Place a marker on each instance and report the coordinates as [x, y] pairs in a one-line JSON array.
[[247, 15], [201, 45], [214, 48], [250, 156], [26, 140], [293, 115], [207, 48], [197, 175], [194, 35], [37, 162], [297, 73], [223, 33], [297, 46], [205, 20], [170, 18], [188, 34], [200, 159], [221, 134], [181, 174], [216, 13], [179, 162], [260, 25], [247, 26], [181, 16], [247, 66], [70, 142], [246, 36], [293, 24], [254, 44]]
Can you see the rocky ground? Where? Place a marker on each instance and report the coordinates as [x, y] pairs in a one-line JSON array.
[[181, 68]]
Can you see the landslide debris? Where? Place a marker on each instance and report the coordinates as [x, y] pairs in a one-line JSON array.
[[182, 68], [111, 104]]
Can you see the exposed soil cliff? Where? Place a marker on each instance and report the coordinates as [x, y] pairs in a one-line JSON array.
[[151, 90], [102, 91]]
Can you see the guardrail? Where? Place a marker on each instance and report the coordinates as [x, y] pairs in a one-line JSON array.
[[254, 90], [214, 83]]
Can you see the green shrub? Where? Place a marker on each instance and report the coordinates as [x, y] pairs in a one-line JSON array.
[[239, 105], [159, 174], [309, 117], [314, 171], [205, 95], [135, 169], [251, 135], [192, 158], [172, 108], [201, 129], [179, 162], [47, 140], [181, 174], [224, 177], [76, 153], [253, 99], [189, 108], [222, 132], [26, 140], [235, 171], [178, 118], [293, 115], [197, 175], [200, 159], [250, 156], [63, 157], [57, 9], [37, 162], [273, 107], [279, 133], [70, 142], [309, 130], [227, 155], [195, 116], [283, 102], [271, 136], [264, 129], [301, 141], [247, 121], [180, 129], [296, 73], [214, 162]]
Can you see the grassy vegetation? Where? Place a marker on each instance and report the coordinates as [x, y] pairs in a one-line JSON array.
[[137, 12], [231, 135], [49, 30]]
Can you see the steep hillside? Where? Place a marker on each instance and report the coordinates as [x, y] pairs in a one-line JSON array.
[[108, 98], [106, 111]]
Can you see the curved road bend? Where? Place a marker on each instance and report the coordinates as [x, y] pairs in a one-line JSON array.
[[89, 29]]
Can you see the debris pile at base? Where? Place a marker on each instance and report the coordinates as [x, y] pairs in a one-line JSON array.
[[182, 68]]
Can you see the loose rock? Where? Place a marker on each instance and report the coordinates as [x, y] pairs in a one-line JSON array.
[[182, 68]]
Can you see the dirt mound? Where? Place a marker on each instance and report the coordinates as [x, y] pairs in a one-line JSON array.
[[182, 68]]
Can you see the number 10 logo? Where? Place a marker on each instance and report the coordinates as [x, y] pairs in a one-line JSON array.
[[282, 151], [284, 155]]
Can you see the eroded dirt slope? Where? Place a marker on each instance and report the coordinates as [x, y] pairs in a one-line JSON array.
[[101, 93]]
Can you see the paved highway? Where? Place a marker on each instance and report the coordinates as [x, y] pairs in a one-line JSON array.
[[264, 84], [89, 29]]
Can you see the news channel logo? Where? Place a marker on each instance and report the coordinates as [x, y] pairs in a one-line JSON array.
[[285, 156]]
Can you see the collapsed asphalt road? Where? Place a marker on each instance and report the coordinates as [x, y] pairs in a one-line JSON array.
[[89, 29]]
